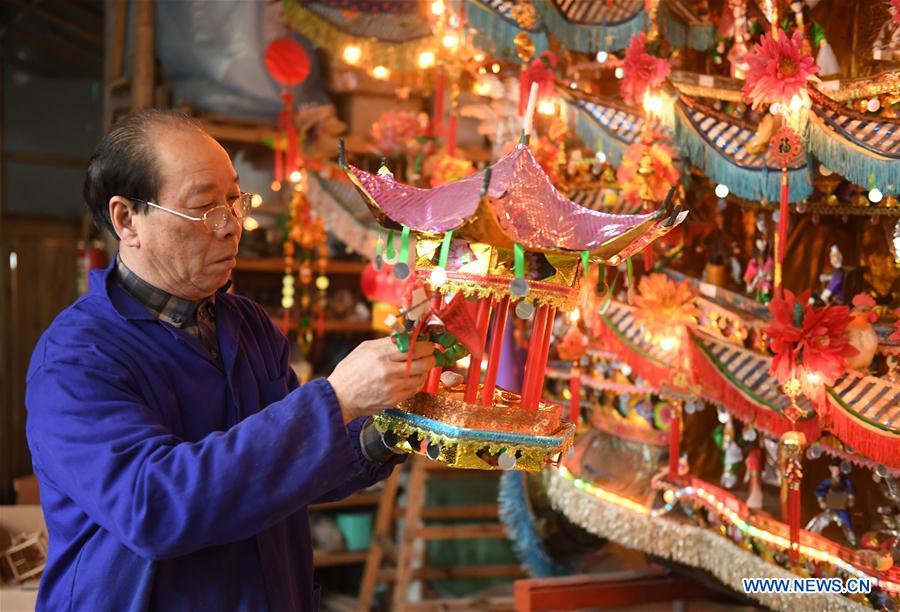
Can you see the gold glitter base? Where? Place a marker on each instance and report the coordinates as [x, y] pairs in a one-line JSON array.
[[504, 414], [469, 450]]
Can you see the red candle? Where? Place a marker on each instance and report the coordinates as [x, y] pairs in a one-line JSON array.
[[498, 329]]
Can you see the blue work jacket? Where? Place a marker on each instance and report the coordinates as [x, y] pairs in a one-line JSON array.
[[172, 481]]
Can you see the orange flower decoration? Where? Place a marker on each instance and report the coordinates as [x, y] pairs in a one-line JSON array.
[[665, 310]]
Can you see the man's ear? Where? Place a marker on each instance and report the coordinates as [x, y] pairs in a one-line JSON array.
[[122, 215]]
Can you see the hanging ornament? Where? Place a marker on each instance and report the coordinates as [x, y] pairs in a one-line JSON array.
[[524, 46], [784, 148], [289, 64]]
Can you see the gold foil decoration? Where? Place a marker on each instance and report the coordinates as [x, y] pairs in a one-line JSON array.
[[524, 46]]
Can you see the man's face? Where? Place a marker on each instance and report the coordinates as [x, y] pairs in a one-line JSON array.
[[195, 175], [835, 472]]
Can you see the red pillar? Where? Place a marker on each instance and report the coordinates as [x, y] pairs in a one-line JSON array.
[[535, 348], [434, 376], [497, 331], [473, 376], [674, 445], [545, 353]]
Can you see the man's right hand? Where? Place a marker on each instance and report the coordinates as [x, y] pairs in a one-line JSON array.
[[373, 376]]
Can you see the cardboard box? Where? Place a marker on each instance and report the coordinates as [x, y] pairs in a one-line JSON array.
[[13, 520]]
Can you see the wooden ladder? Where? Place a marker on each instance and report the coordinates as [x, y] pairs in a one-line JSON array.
[[410, 556]]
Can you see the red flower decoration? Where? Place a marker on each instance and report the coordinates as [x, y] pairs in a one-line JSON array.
[[778, 70], [642, 71], [896, 334], [895, 5], [809, 343]]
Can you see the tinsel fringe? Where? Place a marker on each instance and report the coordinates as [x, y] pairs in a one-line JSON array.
[[696, 36], [639, 364], [590, 38], [400, 57], [496, 32], [338, 219], [864, 439], [591, 132], [850, 160], [683, 543], [748, 184], [513, 508], [720, 390]]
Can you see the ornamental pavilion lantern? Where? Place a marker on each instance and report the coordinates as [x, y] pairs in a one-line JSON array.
[[500, 243]]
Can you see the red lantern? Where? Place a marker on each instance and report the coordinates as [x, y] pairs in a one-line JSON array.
[[288, 63]]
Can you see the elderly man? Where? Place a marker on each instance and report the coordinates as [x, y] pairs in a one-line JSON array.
[[175, 450]]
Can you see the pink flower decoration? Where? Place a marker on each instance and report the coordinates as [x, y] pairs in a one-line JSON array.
[[395, 132], [895, 13], [642, 71], [778, 70]]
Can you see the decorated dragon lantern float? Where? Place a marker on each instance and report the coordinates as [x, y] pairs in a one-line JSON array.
[[501, 243]]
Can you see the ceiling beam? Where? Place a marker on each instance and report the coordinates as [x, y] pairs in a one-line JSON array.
[[61, 48], [92, 37]]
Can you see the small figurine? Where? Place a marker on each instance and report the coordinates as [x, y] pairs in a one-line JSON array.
[[753, 475], [836, 497], [842, 283], [860, 332], [758, 275]]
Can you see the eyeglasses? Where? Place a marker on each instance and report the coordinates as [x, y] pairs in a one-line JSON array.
[[214, 218]]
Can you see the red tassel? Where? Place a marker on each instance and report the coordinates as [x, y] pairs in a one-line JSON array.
[[794, 520], [784, 214], [881, 447], [279, 162], [720, 390], [641, 366]]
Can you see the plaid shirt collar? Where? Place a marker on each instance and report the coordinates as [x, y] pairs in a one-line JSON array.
[[164, 306]]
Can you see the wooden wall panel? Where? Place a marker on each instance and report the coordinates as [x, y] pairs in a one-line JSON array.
[[33, 293]]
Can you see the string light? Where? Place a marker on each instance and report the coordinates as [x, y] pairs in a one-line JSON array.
[[352, 54], [875, 195], [478, 57], [546, 107], [495, 68], [450, 40], [426, 60], [256, 200], [722, 190], [728, 515], [295, 176], [437, 8], [380, 72], [250, 224], [602, 56], [481, 88], [620, 72]]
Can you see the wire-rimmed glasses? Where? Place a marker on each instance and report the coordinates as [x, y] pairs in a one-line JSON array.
[[215, 218]]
